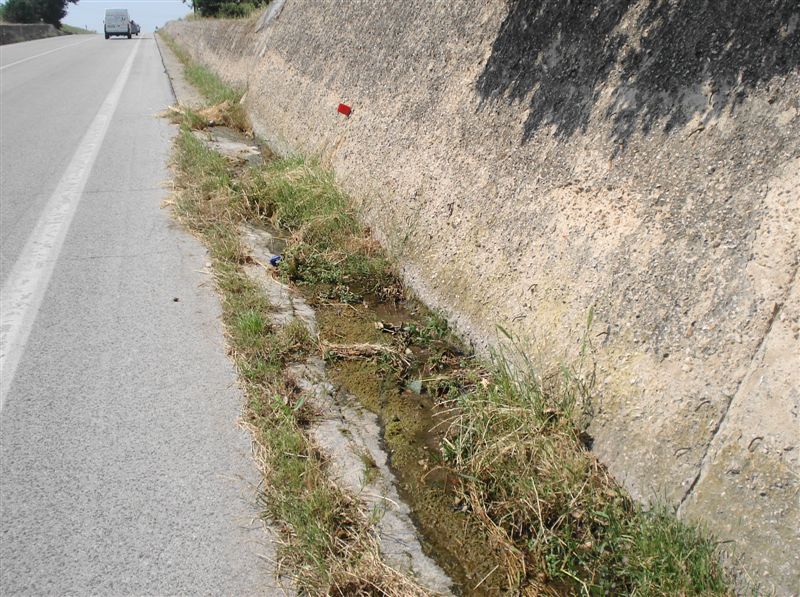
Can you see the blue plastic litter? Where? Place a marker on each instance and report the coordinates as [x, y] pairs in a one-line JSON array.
[[275, 260]]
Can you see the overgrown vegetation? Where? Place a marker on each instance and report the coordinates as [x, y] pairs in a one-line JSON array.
[[560, 520], [35, 11], [329, 547], [512, 446], [328, 249], [226, 8], [224, 100], [235, 10]]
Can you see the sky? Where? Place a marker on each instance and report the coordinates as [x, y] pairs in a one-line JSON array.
[[148, 13]]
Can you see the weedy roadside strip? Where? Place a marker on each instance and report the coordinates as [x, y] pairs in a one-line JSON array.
[[215, 90], [510, 436], [329, 546]]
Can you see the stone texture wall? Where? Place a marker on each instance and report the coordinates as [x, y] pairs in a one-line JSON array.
[[530, 162]]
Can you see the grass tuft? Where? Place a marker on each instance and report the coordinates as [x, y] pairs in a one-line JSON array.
[[329, 246], [559, 519]]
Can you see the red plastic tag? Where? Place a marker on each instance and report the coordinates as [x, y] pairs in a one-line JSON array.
[[344, 109]]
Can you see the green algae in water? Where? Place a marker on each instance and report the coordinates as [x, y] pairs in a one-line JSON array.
[[411, 434]]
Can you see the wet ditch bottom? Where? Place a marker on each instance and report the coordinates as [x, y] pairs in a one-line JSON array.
[[411, 395], [409, 386]]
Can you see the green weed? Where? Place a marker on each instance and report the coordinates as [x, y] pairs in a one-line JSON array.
[[329, 246], [561, 520]]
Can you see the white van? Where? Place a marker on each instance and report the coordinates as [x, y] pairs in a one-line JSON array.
[[117, 22]]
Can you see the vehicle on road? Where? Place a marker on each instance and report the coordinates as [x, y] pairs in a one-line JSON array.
[[117, 23], [135, 28]]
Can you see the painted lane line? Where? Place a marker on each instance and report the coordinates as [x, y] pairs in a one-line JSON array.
[[5, 66], [22, 294]]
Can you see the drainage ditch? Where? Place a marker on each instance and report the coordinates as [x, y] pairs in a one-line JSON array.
[[383, 393]]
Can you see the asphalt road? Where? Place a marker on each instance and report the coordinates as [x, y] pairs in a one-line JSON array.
[[122, 470]]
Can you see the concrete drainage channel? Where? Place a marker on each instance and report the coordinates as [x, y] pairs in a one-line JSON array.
[[349, 435]]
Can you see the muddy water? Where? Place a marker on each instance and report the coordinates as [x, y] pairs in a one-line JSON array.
[[413, 422]]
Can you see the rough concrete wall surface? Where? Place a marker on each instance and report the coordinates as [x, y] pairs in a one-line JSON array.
[[11, 33], [528, 162]]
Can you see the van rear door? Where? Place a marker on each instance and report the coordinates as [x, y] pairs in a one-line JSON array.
[[117, 22]]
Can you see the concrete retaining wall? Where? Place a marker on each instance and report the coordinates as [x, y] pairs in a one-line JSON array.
[[11, 33], [529, 162]]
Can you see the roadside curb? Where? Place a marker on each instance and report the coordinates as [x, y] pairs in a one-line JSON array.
[[183, 92]]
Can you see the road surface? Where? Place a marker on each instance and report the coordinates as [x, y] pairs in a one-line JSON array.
[[122, 470]]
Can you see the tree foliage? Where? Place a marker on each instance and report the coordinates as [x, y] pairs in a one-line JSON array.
[[36, 11], [226, 8]]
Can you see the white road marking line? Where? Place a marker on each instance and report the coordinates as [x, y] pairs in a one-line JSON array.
[[5, 66], [22, 294]]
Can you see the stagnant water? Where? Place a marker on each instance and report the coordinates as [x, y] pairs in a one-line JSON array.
[[412, 403], [411, 397]]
